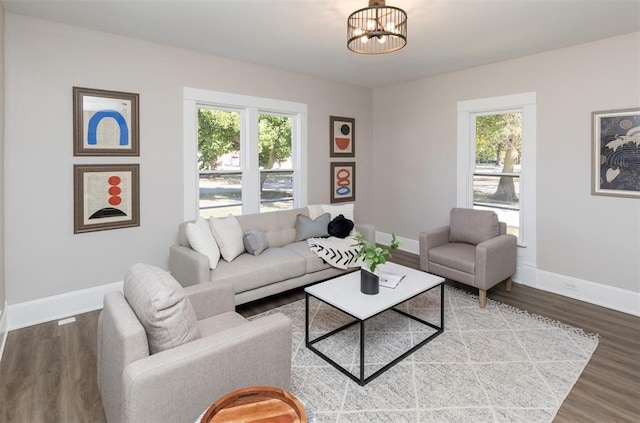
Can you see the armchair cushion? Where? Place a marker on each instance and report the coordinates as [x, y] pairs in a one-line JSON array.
[[473, 226], [457, 255], [159, 303]]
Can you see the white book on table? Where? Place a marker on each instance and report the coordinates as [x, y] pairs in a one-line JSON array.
[[389, 280]]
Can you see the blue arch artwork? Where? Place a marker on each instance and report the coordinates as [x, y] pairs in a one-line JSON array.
[[92, 129]]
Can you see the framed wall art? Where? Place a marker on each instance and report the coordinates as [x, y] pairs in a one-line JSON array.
[[105, 123], [615, 168], [343, 136], [105, 197], [343, 182]]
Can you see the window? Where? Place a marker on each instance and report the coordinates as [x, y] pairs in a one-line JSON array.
[[243, 154], [496, 174], [497, 166]]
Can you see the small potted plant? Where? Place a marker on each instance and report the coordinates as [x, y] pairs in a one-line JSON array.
[[373, 256]]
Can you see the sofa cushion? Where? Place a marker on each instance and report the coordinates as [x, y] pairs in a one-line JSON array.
[[248, 272], [255, 242], [313, 263], [228, 234], [160, 305], [201, 239], [310, 228], [458, 255], [473, 226], [278, 226]]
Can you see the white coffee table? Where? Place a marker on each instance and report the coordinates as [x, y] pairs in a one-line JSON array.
[[344, 294]]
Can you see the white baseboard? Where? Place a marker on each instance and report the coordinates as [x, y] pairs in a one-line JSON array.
[[56, 307], [590, 292], [408, 245], [3, 329], [579, 289]]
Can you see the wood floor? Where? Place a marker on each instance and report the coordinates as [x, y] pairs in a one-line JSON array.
[[48, 372]]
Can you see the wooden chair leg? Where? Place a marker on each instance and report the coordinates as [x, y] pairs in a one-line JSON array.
[[509, 284], [483, 298]]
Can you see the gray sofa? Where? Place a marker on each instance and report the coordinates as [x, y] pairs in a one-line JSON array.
[[285, 265]]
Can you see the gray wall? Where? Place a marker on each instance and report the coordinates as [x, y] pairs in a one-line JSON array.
[[592, 238], [44, 61]]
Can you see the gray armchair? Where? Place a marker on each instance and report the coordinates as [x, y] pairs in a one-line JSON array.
[[171, 369], [474, 250]]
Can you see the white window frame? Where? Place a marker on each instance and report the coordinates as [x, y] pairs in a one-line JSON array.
[[467, 110], [250, 108]]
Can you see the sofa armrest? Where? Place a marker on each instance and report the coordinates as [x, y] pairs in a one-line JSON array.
[[211, 298], [367, 231], [495, 260], [121, 340], [178, 384], [188, 266], [431, 239]]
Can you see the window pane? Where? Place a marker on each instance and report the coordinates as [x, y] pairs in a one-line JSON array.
[[274, 160], [219, 164], [499, 142], [496, 181]]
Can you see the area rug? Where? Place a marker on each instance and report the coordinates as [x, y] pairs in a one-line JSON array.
[[497, 364]]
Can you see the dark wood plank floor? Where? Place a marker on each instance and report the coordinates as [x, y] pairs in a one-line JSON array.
[[48, 372]]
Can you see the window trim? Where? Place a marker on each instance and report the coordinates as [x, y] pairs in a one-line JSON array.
[[250, 107], [467, 110]]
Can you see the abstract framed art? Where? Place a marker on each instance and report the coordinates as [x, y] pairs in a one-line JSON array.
[[105, 123], [343, 136], [343, 182], [105, 197], [615, 167]]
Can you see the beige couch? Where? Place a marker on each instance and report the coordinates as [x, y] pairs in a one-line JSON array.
[[285, 265]]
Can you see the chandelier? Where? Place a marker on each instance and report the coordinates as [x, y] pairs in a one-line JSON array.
[[377, 29]]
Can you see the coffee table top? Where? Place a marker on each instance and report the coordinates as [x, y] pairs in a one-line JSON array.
[[344, 293]]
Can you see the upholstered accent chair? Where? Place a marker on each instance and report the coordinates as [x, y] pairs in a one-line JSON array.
[[165, 353], [474, 250]]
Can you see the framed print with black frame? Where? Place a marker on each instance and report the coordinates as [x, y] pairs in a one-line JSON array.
[[615, 167], [343, 136], [105, 123], [343, 182], [105, 197]]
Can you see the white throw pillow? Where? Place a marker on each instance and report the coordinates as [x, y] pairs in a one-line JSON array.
[[228, 234], [315, 210], [343, 209], [201, 240]]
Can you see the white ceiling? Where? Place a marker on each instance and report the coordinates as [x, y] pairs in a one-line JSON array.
[[309, 36]]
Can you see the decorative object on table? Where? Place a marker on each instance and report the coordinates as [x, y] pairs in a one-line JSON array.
[[105, 197], [377, 29], [615, 164], [343, 182], [105, 123], [256, 404], [373, 256], [343, 136]]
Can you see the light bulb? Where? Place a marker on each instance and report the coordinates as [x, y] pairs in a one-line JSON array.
[[371, 24], [358, 32], [382, 39], [364, 40], [390, 26]]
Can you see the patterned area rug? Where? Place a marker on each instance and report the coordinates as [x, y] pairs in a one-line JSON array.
[[497, 364]]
